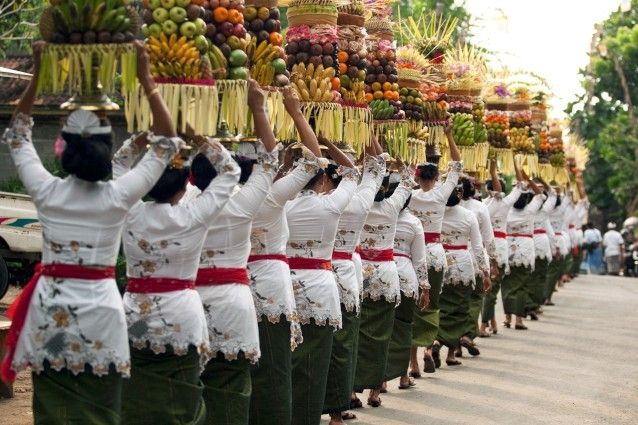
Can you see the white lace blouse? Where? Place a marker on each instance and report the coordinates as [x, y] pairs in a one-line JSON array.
[[543, 241], [499, 206], [485, 227], [312, 222], [561, 236], [74, 322], [230, 310], [349, 230], [411, 261], [164, 241], [429, 207], [380, 278], [461, 233], [521, 222]]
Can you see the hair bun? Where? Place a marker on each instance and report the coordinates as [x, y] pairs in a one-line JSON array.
[[87, 158]]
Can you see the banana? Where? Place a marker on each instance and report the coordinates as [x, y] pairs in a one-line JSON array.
[[219, 55], [252, 46], [261, 50], [313, 89], [98, 11], [310, 70], [329, 73], [318, 72], [327, 96], [325, 85]]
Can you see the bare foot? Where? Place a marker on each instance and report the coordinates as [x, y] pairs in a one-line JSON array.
[[336, 419], [373, 399], [494, 326]]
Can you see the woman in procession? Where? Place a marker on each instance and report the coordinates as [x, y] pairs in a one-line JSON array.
[[69, 323], [411, 259], [313, 217], [222, 279], [381, 290], [461, 238], [520, 238], [271, 282], [164, 313], [499, 206], [560, 244], [348, 278], [428, 205]]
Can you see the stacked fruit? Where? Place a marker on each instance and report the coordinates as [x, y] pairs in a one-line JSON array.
[[265, 52], [381, 78], [352, 76], [352, 52], [521, 118], [521, 141], [435, 107], [463, 129], [313, 84], [412, 104], [175, 58], [89, 22], [544, 147], [497, 123], [383, 109]]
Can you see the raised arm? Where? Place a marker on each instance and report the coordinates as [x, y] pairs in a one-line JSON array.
[[128, 153], [287, 187], [402, 192], [532, 185], [293, 107], [212, 200], [338, 199], [455, 154], [373, 171], [451, 181], [336, 154], [550, 203], [256, 103], [496, 182], [515, 193]]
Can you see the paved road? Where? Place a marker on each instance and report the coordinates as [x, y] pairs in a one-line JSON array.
[[577, 365]]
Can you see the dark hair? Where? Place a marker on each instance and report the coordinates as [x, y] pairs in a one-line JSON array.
[[407, 202], [171, 182], [523, 200], [468, 188], [246, 167], [333, 176], [490, 186], [428, 171], [313, 181], [203, 171], [391, 188], [454, 199], [590, 225], [380, 196], [559, 201], [87, 158]]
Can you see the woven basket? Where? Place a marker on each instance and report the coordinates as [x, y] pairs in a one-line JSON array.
[[409, 83], [263, 3], [349, 19], [518, 106], [311, 19], [468, 93], [496, 106]]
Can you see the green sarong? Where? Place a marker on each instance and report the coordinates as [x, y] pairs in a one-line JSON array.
[[554, 273], [489, 300], [536, 284], [578, 259], [342, 363], [513, 291], [271, 399], [426, 323], [455, 309], [227, 388], [476, 304], [163, 386], [64, 398], [375, 331], [401, 340], [310, 364], [569, 264]]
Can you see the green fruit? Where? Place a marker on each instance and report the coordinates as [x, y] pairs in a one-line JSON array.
[[238, 73], [237, 58], [279, 65]]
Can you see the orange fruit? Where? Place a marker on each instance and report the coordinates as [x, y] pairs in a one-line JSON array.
[[378, 94], [336, 83], [369, 97], [388, 95], [221, 14], [387, 86], [343, 68], [276, 39], [342, 56], [376, 86]]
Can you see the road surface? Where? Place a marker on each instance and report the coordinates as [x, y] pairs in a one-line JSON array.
[[577, 365]]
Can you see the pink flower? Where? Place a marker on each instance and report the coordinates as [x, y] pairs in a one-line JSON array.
[[59, 146]]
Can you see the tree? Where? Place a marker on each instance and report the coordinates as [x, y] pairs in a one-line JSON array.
[[19, 23], [606, 115]]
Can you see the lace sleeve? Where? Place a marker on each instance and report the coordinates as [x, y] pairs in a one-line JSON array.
[[19, 133], [125, 157]]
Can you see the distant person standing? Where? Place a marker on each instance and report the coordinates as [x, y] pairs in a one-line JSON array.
[[614, 245], [593, 241]]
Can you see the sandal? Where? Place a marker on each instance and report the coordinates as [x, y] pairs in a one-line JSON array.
[[458, 352], [415, 374], [348, 416], [436, 354], [520, 327], [374, 403], [485, 334], [429, 365], [507, 324], [532, 315], [453, 363], [549, 303], [355, 403], [471, 348], [409, 385]]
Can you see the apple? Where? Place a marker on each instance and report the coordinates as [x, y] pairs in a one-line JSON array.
[[250, 13], [188, 29], [239, 31], [169, 27], [234, 43], [201, 26], [178, 14], [201, 43], [194, 11], [183, 3], [208, 15], [168, 4], [226, 28], [160, 15], [154, 4], [154, 30], [210, 30]]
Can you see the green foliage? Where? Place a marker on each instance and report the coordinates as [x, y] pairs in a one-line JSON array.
[[448, 8], [14, 185], [604, 119], [19, 24]]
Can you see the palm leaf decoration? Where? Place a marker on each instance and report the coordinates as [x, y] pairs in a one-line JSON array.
[[430, 33]]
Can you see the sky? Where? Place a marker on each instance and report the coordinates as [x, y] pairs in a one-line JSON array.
[[549, 37]]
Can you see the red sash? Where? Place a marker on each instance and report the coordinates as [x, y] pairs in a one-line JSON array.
[[262, 257], [454, 247], [520, 235], [558, 233], [400, 254], [431, 237], [500, 235], [301, 263], [572, 226], [212, 276], [378, 255], [540, 232], [341, 255], [146, 285], [20, 307]]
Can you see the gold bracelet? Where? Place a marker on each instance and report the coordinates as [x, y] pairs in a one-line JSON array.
[[154, 91]]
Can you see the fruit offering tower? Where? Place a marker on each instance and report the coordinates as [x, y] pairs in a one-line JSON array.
[[521, 135], [311, 46], [496, 120], [556, 149], [86, 41], [352, 65]]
